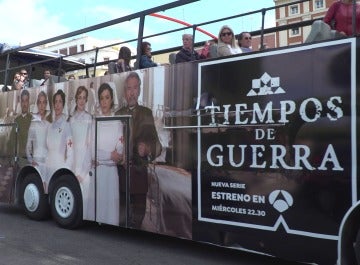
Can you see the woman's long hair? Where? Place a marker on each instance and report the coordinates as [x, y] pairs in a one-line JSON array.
[[233, 40], [125, 54]]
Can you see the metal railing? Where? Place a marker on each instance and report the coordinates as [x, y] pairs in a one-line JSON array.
[[140, 36]]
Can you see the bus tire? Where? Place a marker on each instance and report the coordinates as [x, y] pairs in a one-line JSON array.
[[66, 202], [34, 201]]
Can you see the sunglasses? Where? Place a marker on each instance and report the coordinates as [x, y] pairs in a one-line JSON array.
[[226, 33], [247, 38]]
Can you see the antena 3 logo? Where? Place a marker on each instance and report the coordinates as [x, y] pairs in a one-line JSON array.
[[266, 85], [281, 200]]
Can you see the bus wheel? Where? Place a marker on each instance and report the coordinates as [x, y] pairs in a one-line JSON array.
[[66, 203], [33, 199], [357, 247]]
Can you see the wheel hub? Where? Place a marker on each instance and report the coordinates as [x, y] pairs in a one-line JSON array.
[[64, 202], [31, 197]]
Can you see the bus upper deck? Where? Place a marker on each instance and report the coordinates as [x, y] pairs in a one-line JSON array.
[[11, 61]]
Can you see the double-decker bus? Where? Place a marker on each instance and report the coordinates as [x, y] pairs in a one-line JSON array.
[[256, 151]]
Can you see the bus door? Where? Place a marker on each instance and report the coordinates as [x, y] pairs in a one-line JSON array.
[[110, 157], [8, 161]]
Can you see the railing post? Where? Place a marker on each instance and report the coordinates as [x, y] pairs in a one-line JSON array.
[[263, 13], [354, 18], [6, 69], [139, 40], [193, 41], [95, 61], [60, 70]]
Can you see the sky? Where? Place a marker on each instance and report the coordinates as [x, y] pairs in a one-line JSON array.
[[28, 21]]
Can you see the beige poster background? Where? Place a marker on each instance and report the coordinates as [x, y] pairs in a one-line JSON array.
[[169, 196]]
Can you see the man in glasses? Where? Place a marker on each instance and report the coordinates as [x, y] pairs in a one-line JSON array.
[[245, 41], [24, 80]]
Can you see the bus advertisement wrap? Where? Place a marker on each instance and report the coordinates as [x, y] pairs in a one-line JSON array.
[[256, 152], [160, 191]]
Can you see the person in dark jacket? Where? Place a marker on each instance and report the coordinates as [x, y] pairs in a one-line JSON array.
[[123, 62], [145, 59], [187, 54]]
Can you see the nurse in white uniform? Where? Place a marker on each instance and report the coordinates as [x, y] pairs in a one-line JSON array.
[[36, 150], [59, 140], [80, 123], [109, 153]]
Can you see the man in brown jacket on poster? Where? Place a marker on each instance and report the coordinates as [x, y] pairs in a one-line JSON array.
[[144, 147]]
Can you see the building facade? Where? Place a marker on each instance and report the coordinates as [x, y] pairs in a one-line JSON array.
[[77, 48], [298, 12]]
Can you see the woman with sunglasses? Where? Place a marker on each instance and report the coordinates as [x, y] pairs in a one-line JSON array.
[[21, 80], [227, 44], [24, 77]]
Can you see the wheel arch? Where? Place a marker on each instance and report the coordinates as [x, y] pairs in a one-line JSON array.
[[58, 174], [349, 228]]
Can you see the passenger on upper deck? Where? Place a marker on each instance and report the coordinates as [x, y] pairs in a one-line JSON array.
[[145, 59], [187, 54], [245, 41], [47, 78], [23, 82], [71, 77], [59, 76], [337, 22], [226, 42], [123, 62], [14, 85]]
